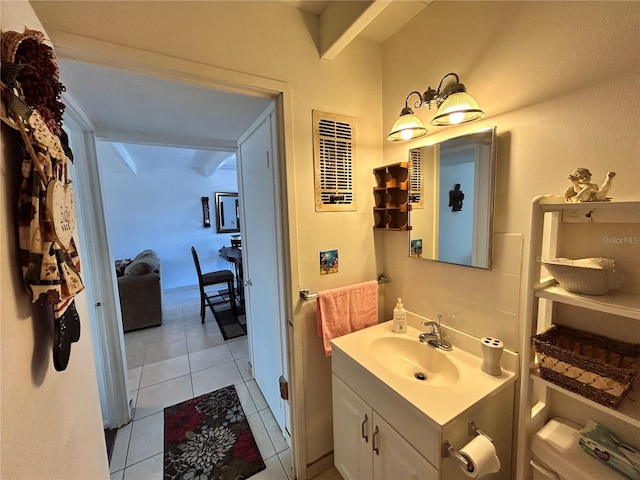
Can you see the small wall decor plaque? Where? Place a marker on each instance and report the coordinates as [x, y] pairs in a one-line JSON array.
[[328, 262], [416, 248], [206, 221], [61, 209]]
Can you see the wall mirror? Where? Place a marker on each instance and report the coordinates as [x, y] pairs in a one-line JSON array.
[[227, 212], [451, 198]]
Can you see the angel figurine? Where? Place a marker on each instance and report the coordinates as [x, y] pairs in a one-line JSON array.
[[582, 190]]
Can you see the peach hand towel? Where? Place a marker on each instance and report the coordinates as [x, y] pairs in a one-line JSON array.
[[345, 310]]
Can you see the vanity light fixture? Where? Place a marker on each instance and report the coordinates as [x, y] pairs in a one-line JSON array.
[[454, 104]]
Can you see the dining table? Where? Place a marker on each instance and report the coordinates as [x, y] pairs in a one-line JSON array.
[[234, 255]]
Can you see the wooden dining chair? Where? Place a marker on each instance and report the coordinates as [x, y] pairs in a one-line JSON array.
[[213, 278]]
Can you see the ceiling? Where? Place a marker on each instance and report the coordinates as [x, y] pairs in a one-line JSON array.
[[123, 108], [379, 25], [207, 122]]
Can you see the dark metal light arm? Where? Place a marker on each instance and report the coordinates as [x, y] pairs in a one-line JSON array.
[[432, 96], [450, 73], [407, 110]]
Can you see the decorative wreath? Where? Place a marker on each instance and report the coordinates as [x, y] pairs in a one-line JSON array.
[[46, 211]]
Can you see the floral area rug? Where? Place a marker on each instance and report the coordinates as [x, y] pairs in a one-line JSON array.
[[208, 438]]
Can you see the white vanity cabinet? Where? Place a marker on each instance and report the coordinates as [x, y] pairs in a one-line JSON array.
[[389, 425], [367, 447], [579, 230], [352, 445]]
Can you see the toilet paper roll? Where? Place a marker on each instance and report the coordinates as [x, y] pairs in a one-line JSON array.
[[482, 455]]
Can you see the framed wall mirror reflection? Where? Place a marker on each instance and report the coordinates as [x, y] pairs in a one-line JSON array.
[[452, 195], [227, 212]]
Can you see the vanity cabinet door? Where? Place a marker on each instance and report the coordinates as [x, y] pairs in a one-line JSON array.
[[352, 427], [394, 458]]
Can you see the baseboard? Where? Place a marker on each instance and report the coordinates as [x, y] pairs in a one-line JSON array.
[[320, 466]]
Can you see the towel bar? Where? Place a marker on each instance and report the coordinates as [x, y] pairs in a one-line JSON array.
[[305, 295]]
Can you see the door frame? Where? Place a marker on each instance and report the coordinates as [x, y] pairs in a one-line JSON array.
[[104, 312], [88, 50]]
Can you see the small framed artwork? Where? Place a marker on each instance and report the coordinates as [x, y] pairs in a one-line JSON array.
[[416, 248], [206, 221], [328, 262], [227, 212]]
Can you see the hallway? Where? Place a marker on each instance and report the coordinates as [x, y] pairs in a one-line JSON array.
[[179, 360]]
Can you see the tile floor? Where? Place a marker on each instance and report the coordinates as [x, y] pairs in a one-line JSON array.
[[180, 360]]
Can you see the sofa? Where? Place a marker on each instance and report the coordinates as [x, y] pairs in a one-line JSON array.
[[140, 290]]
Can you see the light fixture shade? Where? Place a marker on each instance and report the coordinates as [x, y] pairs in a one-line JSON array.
[[458, 108], [407, 127]]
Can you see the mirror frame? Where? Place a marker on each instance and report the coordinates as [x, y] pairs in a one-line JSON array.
[[483, 263], [227, 218]]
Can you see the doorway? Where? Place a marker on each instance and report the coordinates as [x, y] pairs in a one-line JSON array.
[[267, 88]]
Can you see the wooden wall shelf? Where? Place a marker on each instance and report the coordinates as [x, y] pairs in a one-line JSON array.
[[391, 197]]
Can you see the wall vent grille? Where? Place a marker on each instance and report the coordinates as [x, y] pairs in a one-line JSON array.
[[415, 178], [334, 159]]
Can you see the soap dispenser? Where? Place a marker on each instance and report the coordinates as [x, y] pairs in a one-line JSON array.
[[399, 318]]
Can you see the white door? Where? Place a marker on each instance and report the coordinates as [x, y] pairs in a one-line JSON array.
[[261, 257]]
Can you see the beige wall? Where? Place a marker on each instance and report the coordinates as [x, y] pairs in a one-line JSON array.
[[51, 425], [560, 82], [273, 40], [547, 74]]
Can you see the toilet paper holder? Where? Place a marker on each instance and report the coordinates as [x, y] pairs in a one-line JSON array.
[[448, 450]]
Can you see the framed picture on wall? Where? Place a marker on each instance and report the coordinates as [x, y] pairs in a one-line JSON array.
[[227, 212]]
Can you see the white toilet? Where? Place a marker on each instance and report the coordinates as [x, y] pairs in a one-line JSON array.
[[556, 455]]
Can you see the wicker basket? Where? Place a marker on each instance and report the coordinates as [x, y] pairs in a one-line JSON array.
[[588, 276], [596, 367]]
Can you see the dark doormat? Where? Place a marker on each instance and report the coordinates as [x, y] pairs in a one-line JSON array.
[[230, 326], [208, 437]]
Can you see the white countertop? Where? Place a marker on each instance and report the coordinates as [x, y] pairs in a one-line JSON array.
[[441, 404]]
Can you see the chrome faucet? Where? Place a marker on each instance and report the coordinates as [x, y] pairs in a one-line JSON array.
[[435, 337]]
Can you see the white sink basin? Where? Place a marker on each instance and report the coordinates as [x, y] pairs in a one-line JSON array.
[[454, 380], [415, 361]]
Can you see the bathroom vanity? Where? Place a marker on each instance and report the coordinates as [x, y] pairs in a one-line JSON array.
[[398, 403]]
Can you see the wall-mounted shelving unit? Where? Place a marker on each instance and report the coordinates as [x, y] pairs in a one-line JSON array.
[[391, 197], [579, 230]]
